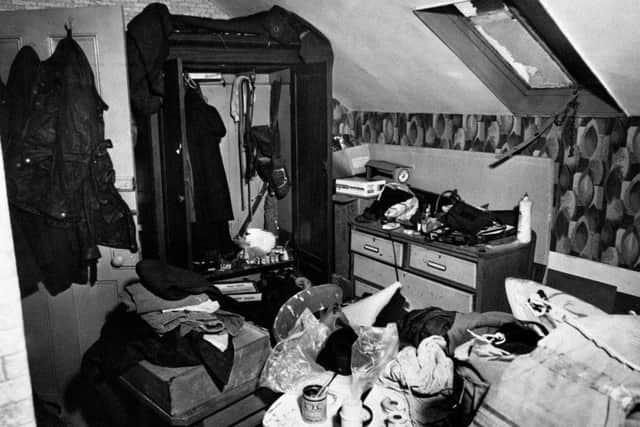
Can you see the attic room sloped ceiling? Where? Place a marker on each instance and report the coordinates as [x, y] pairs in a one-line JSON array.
[[606, 35], [385, 58]]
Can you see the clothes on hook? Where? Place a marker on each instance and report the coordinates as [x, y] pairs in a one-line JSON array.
[[212, 201], [60, 178]]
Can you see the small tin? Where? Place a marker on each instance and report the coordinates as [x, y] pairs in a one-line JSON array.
[[313, 408], [396, 419], [390, 405]]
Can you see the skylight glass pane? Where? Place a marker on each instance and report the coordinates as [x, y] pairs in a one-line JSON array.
[[517, 46]]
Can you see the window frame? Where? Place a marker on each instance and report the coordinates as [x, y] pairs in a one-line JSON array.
[[459, 34]]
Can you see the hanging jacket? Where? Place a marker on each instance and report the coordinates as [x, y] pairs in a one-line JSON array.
[[58, 167], [147, 49], [19, 92]]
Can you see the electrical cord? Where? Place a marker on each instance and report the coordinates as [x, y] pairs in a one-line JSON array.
[[395, 256]]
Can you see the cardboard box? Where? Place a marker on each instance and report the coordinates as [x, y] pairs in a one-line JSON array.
[[350, 161]]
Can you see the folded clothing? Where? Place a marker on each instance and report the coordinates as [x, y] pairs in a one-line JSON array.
[[187, 321], [172, 283], [144, 301], [175, 283], [126, 339]]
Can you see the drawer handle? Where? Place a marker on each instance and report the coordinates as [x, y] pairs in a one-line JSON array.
[[437, 266], [371, 249]]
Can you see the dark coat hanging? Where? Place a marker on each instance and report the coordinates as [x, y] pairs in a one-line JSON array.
[[212, 201], [60, 179]]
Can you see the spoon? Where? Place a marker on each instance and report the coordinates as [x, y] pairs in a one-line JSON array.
[[324, 387]]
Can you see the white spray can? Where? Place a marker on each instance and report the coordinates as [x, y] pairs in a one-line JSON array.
[[524, 219]]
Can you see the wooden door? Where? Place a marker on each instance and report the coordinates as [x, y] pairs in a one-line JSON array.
[[59, 329], [172, 146], [312, 207]]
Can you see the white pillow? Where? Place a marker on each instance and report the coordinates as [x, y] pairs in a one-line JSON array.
[[365, 311]]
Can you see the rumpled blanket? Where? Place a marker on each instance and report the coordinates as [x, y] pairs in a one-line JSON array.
[[578, 375]]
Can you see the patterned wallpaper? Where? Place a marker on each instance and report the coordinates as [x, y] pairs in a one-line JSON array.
[[597, 191]]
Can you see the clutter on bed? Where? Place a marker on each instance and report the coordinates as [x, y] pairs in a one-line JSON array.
[[574, 377], [555, 361], [584, 372]]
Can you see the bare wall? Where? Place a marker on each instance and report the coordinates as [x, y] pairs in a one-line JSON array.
[[130, 7]]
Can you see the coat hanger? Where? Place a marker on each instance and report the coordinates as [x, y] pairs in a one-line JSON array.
[[188, 81]]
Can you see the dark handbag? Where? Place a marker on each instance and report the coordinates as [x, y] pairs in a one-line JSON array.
[[466, 218], [268, 164], [265, 143]]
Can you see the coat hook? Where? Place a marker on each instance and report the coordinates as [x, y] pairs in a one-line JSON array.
[[68, 26]]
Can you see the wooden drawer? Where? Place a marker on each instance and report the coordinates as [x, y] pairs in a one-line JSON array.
[[376, 247], [442, 265], [421, 292], [373, 271], [363, 288]]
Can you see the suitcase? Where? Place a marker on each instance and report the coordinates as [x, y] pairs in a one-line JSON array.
[[188, 395]]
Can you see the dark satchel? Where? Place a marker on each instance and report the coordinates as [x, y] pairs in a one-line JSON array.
[[466, 218], [266, 142]]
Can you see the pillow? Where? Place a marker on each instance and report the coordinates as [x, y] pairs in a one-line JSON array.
[[365, 311], [520, 290]]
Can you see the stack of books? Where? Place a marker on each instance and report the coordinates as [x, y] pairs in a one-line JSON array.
[[244, 291]]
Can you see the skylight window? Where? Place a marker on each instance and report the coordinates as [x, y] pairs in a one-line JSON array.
[[509, 36], [518, 51]]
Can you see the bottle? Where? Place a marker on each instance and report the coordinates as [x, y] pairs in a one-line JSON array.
[[351, 413], [424, 220], [524, 219]]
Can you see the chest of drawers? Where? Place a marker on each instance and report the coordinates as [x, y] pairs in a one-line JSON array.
[[461, 278]]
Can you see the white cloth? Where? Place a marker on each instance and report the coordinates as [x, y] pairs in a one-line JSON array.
[[207, 306], [365, 311], [426, 370], [219, 341]]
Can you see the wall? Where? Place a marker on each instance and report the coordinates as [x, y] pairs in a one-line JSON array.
[[16, 408], [597, 187], [130, 7]]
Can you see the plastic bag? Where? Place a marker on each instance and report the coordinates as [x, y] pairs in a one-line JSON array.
[[292, 361], [374, 348]]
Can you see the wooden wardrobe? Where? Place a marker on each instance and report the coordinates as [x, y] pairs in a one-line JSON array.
[[160, 168]]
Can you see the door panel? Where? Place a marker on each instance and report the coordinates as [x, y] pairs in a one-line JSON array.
[[59, 329], [312, 213], [9, 47], [172, 146]]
